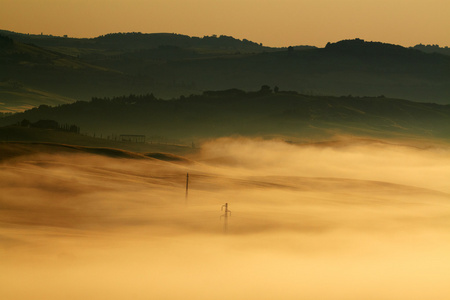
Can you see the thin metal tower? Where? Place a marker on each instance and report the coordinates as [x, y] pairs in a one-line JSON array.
[[187, 186], [225, 224]]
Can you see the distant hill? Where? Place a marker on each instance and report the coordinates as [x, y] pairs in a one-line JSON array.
[[132, 41], [265, 113], [32, 75], [432, 49], [170, 65], [15, 97]]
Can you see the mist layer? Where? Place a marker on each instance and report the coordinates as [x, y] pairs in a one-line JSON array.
[[347, 220]]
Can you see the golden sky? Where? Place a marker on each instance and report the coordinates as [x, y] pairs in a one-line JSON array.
[[271, 22]]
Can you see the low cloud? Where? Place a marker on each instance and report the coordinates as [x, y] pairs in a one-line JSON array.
[[347, 220]]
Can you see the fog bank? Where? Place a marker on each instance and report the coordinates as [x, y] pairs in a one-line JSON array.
[[349, 220]]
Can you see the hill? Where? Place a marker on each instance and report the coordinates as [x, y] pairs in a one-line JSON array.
[[235, 112], [13, 150], [31, 75], [171, 65], [28, 136], [15, 97], [344, 68], [131, 41], [433, 49]]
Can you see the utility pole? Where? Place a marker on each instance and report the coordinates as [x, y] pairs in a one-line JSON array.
[[187, 186], [225, 224]]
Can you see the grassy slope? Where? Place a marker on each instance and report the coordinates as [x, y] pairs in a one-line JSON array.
[[11, 150], [13, 134], [15, 97], [31, 76]]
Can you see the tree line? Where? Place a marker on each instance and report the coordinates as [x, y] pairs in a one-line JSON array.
[[50, 124]]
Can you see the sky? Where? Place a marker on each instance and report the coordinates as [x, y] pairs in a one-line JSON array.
[[274, 23]]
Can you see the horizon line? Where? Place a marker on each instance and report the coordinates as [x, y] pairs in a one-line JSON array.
[[217, 35]]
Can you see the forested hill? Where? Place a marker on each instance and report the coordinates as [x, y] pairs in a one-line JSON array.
[[171, 65], [433, 49], [265, 112], [136, 41]]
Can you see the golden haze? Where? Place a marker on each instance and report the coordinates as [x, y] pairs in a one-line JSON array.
[[273, 23], [347, 220]]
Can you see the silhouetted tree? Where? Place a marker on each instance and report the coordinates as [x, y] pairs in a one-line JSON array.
[[25, 123], [46, 124], [265, 89], [5, 41]]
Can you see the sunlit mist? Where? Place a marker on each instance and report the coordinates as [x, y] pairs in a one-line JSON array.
[[350, 219]]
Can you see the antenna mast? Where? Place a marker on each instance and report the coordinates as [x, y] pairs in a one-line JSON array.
[[187, 186], [227, 212]]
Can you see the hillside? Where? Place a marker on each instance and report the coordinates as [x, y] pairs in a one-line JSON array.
[[170, 65], [433, 49], [52, 139], [235, 112], [31, 75], [15, 97], [14, 150], [345, 68], [132, 41]]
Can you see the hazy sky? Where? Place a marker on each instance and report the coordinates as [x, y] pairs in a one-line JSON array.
[[271, 22]]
